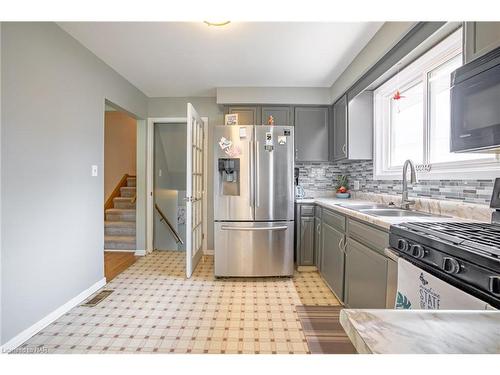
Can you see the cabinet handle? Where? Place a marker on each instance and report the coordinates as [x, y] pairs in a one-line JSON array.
[[344, 149], [340, 244]]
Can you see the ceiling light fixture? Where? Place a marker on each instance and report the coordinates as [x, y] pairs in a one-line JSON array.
[[218, 23]]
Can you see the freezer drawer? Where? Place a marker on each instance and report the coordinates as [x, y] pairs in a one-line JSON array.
[[244, 249]]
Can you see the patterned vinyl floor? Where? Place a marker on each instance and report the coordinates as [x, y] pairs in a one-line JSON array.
[[155, 309]]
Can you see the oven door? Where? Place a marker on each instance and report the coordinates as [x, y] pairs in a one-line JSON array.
[[475, 112], [418, 289]]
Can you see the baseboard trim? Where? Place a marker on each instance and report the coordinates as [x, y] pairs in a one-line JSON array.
[[140, 253], [29, 332], [208, 252]]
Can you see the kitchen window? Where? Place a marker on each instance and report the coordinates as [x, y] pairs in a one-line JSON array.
[[417, 125]]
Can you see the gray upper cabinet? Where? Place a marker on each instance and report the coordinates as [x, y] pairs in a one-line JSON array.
[[311, 133], [365, 277], [480, 38], [332, 262], [282, 115], [352, 128], [247, 115], [339, 151]]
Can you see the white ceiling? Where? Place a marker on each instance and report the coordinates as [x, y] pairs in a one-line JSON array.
[[192, 59]]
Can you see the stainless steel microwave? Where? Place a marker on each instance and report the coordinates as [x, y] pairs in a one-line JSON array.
[[475, 105]]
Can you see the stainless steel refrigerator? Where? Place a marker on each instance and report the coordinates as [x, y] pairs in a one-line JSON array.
[[253, 200]]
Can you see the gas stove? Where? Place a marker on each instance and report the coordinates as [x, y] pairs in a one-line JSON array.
[[466, 255]]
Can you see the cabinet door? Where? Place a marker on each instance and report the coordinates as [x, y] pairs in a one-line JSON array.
[[246, 115], [365, 277], [332, 265], [282, 115], [311, 133], [306, 254], [340, 129], [317, 242], [480, 38]]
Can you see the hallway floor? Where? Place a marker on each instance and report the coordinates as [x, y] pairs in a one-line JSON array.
[[155, 309]]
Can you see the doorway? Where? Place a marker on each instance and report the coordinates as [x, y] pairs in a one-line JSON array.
[[169, 225], [190, 202], [120, 167]]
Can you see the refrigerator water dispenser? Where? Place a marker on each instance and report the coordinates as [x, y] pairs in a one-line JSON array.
[[229, 176]]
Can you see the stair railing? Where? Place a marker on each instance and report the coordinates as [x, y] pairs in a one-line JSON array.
[[172, 230]]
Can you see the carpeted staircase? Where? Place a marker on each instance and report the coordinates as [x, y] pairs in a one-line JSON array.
[[119, 224]]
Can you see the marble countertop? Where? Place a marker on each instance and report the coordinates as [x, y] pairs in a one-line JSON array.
[[383, 222], [422, 331]]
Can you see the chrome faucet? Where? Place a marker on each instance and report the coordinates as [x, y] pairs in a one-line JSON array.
[[405, 202]]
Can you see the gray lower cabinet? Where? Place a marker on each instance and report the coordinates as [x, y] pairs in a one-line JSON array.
[[304, 234], [306, 254], [365, 277], [332, 262], [480, 38], [317, 238], [311, 133]]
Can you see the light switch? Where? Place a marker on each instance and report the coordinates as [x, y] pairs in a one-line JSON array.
[[94, 171], [159, 172]]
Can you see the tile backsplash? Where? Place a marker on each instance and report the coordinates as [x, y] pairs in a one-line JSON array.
[[319, 178]]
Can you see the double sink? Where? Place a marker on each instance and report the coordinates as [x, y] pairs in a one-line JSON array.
[[382, 210]]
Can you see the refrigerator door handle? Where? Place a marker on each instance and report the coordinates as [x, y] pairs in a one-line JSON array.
[[250, 173], [279, 228], [257, 171]]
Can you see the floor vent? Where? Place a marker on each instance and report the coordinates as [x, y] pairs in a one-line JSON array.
[[99, 297]]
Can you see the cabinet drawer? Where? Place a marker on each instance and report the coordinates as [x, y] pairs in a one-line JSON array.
[[333, 219], [306, 210], [368, 235]]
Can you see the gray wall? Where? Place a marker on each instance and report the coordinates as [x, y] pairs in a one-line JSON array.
[[388, 35], [53, 92], [177, 107]]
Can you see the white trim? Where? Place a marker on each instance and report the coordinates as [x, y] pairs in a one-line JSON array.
[[29, 332], [208, 252], [484, 168], [140, 253], [150, 177]]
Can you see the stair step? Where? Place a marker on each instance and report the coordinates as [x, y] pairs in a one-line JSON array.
[[123, 202], [127, 191], [120, 214], [131, 182], [119, 228], [119, 242]]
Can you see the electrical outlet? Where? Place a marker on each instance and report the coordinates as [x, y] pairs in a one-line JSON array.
[[356, 185], [94, 171]]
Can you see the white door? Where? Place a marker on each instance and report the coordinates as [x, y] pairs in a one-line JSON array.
[[194, 190]]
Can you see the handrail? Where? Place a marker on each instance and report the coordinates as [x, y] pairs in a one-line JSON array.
[[172, 230]]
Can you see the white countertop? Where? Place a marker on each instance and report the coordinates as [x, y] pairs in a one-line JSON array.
[[380, 221], [422, 331]]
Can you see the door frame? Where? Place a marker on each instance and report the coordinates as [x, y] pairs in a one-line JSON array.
[[150, 177]]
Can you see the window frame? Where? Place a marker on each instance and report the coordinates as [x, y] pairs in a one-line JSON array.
[[419, 71]]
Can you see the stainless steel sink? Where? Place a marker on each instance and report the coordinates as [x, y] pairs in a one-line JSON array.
[[393, 212]]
